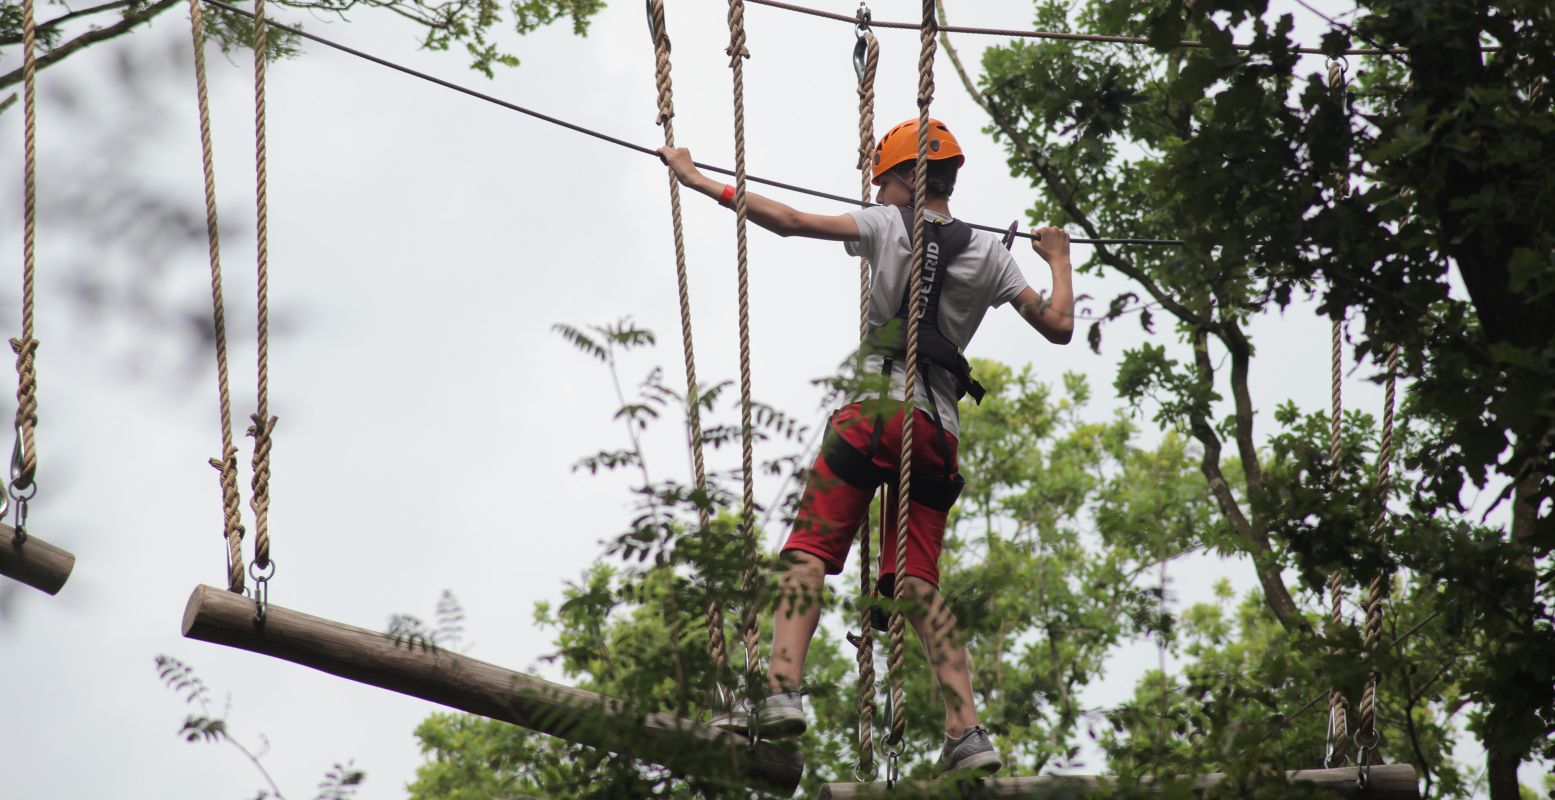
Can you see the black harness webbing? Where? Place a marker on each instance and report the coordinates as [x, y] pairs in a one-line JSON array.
[[944, 242]]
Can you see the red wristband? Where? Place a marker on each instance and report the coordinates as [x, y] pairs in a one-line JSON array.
[[727, 197]]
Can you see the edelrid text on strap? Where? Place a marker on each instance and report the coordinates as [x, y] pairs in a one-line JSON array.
[[943, 242]]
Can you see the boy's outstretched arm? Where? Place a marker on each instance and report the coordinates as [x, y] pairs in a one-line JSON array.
[[764, 211], [1053, 317]]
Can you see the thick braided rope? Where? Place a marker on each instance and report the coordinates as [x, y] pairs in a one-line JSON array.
[[264, 424], [750, 630], [866, 636], [866, 149], [661, 50], [1338, 704], [1376, 592], [227, 465], [25, 346], [928, 46]]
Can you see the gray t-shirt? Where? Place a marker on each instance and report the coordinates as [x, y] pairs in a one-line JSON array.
[[983, 276]]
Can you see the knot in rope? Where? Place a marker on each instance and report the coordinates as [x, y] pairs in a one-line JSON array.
[[26, 410], [661, 51], [259, 499], [232, 516]]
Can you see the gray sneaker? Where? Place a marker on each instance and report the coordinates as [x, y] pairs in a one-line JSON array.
[[779, 716], [973, 751]]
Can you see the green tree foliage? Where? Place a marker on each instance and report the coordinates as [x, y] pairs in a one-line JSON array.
[[1432, 163], [445, 24], [1056, 559]]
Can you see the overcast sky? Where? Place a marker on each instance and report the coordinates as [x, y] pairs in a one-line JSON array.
[[422, 246]]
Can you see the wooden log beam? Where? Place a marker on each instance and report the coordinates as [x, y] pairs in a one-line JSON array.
[[457, 681], [34, 562], [1385, 782]]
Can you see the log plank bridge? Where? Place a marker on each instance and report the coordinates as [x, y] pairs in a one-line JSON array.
[[33, 561], [464, 683], [1384, 782]]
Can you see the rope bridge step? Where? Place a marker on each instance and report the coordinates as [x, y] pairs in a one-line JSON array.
[[34, 562], [1384, 782], [464, 683]]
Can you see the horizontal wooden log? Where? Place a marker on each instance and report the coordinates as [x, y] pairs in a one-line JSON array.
[[34, 562], [458, 681], [1385, 782]]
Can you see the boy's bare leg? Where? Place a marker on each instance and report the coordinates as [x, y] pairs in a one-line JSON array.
[[936, 629], [798, 613]]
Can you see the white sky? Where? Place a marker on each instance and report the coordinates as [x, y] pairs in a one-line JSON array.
[[422, 245]]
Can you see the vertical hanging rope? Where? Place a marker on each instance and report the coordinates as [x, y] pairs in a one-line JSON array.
[[927, 49], [865, 69], [264, 424], [25, 346], [1376, 592], [750, 631], [1338, 705], [716, 645], [227, 465]]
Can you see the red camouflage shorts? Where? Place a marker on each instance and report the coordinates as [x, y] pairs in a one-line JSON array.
[[832, 509]]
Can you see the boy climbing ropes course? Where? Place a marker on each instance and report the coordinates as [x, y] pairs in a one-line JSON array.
[[965, 273]]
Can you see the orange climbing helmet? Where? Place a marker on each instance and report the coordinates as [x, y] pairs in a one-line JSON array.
[[900, 144]]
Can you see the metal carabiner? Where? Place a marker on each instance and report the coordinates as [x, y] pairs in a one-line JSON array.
[[653, 27], [18, 461], [261, 589]]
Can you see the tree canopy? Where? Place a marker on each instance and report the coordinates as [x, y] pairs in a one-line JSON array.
[[1410, 201]]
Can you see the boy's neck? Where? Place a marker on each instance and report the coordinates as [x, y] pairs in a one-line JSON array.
[[938, 205]]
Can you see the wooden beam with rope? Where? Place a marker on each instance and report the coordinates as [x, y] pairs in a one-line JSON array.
[[244, 618], [467, 684], [33, 561], [24, 557]]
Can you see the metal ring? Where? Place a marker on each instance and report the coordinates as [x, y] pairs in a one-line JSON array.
[[861, 26], [23, 495], [261, 577], [1369, 743]]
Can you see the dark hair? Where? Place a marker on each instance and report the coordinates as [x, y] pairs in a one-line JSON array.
[[942, 175]]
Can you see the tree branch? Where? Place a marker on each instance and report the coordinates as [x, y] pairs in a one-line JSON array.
[[123, 26], [1056, 184], [1235, 340], [63, 18], [1274, 589]]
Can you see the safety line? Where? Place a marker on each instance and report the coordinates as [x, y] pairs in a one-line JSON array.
[[1065, 35], [446, 84]]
